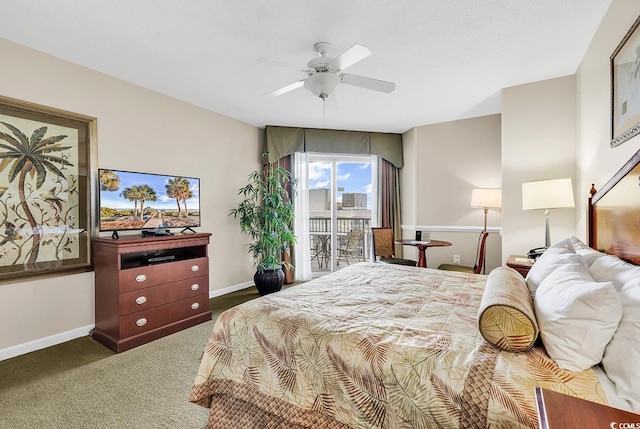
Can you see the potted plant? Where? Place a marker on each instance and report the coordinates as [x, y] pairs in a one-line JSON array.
[[266, 215]]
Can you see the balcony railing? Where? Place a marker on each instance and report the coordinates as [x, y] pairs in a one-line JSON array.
[[344, 224], [321, 226]]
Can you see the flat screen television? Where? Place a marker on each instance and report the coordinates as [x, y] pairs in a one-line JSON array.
[[146, 201]]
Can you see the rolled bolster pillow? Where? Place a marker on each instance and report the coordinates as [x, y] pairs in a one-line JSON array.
[[506, 317]]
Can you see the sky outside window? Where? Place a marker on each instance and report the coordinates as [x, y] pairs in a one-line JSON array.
[[352, 177]]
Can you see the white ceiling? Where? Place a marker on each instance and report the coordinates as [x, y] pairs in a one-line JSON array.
[[449, 58]]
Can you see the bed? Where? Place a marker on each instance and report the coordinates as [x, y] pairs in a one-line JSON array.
[[388, 346]]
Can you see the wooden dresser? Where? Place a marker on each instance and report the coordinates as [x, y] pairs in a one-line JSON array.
[[149, 287]]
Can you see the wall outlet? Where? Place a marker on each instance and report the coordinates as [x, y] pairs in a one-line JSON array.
[[456, 259]]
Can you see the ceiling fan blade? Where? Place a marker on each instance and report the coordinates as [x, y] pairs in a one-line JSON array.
[[286, 89], [369, 83], [349, 57]]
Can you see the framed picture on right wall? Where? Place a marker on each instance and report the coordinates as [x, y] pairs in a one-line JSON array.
[[625, 87]]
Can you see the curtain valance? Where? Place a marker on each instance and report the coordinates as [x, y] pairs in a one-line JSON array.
[[283, 141]]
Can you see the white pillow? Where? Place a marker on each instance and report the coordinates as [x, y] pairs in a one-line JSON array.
[[589, 254], [548, 262], [577, 316], [610, 268], [577, 243], [565, 244], [622, 354]]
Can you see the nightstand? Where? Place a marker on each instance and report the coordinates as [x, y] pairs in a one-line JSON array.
[[520, 263], [557, 410]]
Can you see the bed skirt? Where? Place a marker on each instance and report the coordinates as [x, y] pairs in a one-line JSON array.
[[235, 405]]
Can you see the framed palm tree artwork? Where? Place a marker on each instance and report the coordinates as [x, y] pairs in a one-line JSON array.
[[47, 167]]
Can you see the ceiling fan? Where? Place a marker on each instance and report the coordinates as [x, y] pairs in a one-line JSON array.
[[324, 73]]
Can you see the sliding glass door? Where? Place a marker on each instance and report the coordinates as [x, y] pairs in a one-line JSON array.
[[341, 210]]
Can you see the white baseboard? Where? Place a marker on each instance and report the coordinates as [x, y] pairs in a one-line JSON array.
[[44, 342], [232, 288], [62, 337]]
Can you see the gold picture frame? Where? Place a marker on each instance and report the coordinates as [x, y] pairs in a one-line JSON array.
[[47, 171], [625, 87]]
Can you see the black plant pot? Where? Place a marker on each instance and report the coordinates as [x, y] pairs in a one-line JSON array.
[[269, 281]]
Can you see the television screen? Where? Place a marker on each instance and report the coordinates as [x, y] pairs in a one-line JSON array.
[[130, 201]]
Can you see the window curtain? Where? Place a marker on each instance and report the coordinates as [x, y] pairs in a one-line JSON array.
[[302, 249], [285, 163], [283, 141], [389, 199]]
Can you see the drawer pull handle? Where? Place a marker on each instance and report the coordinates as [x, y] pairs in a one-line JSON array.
[[195, 268], [195, 286], [195, 306], [140, 278], [141, 300], [141, 322]]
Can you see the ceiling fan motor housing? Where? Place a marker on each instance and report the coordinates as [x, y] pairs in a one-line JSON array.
[[320, 64]]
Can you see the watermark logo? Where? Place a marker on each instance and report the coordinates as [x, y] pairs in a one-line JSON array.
[[624, 425]]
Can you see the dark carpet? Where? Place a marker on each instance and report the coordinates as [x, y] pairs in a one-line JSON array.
[[82, 384]]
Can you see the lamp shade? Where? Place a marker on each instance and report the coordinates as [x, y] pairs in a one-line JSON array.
[[486, 198], [547, 194]]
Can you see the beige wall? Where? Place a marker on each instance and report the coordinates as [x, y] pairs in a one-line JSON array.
[[548, 129], [408, 174], [538, 143], [596, 161], [138, 130], [553, 128], [443, 163], [561, 128]]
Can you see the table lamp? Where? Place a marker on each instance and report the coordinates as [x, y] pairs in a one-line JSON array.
[[546, 195], [486, 199]]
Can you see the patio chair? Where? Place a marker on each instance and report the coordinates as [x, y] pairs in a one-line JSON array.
[[351, 246]]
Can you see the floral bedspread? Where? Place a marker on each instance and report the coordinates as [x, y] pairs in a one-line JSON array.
[[379, 346]]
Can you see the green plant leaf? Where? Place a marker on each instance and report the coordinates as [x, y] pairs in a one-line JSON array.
[[266, 215]]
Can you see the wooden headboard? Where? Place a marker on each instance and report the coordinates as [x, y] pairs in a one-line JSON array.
[[614, 214]]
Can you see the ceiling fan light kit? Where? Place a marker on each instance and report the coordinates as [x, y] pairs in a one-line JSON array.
[[322, 84], [324, 73]]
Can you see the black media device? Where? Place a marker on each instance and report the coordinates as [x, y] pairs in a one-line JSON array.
[[156, 232], [162, 258]]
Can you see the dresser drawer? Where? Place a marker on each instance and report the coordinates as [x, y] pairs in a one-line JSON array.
[[143, 299], [156, 317], [152, 275]]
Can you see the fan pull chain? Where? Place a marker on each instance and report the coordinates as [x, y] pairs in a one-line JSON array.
[[324, 112]]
